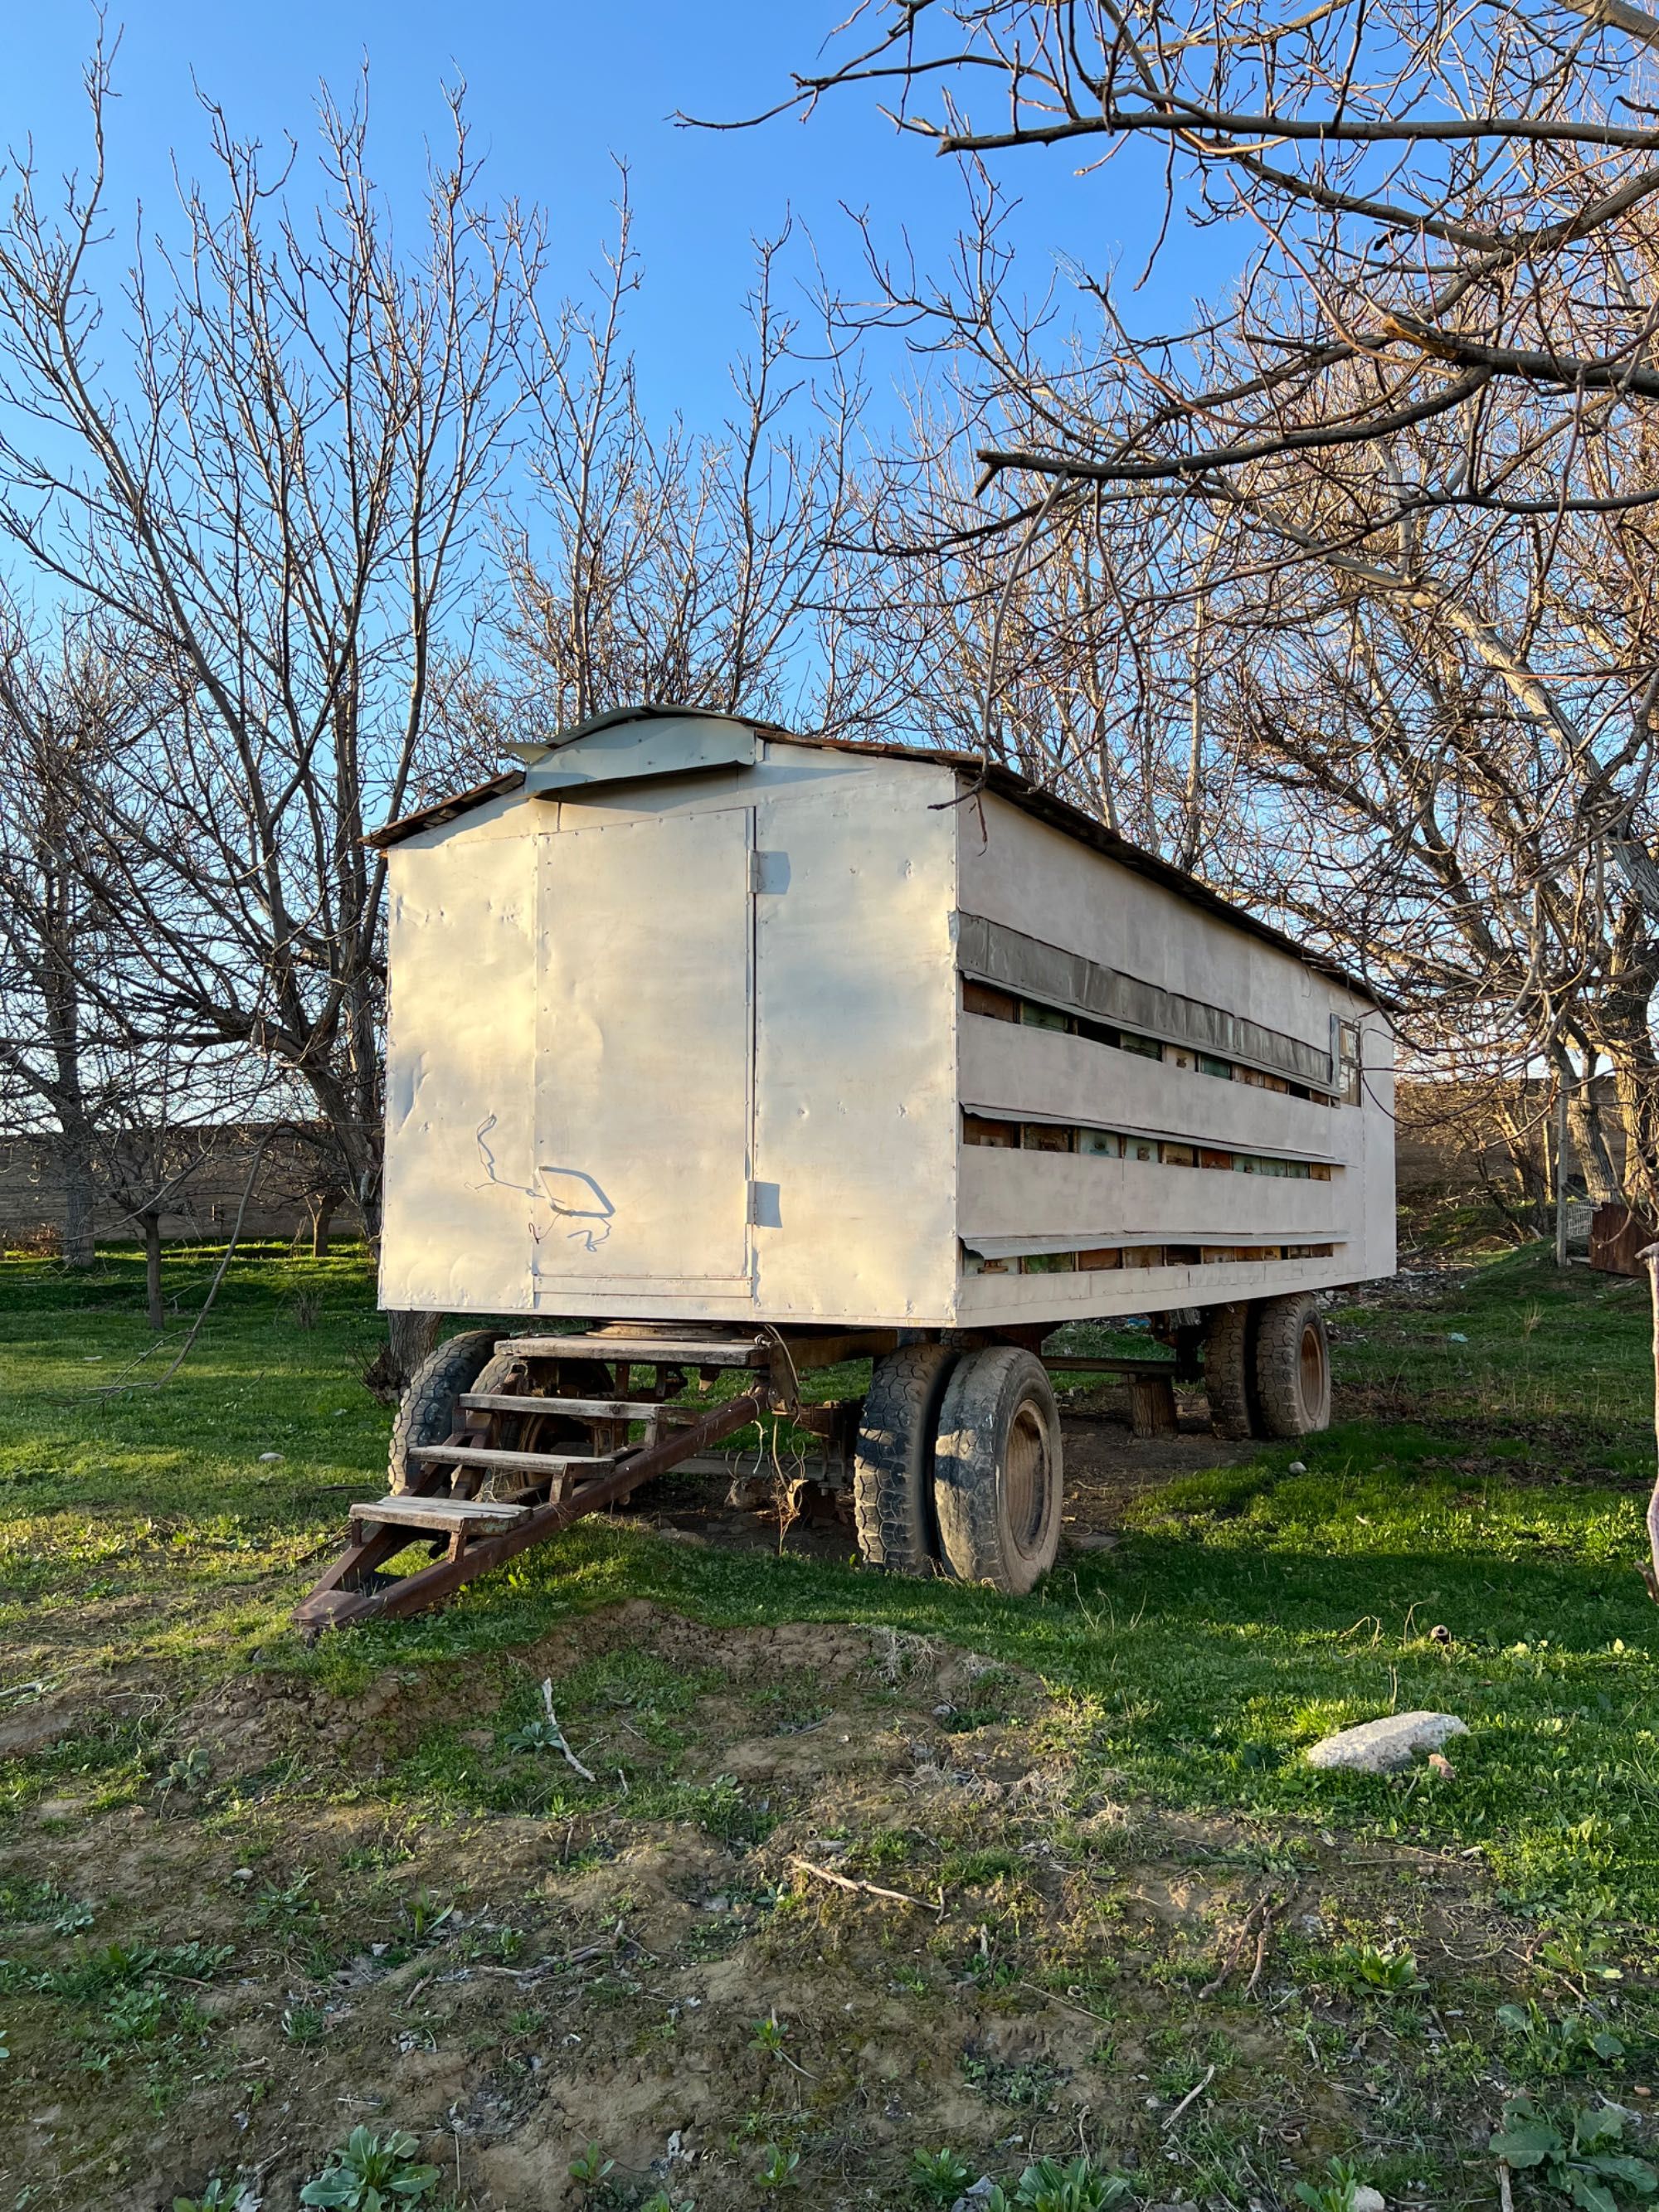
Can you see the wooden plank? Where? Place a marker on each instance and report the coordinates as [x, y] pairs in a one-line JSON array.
[[403, 1511], [1061, 1363], [598, 1409], [642, 1350], [322, 1607], [828, 1350], [530, 1462]]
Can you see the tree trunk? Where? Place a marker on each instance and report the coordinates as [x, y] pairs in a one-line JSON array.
[[409, 1338], [1590, 1142], [322, 1214], [80, 1193], [152, 1228]]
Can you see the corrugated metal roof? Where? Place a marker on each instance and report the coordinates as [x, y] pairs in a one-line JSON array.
[[1059, 814]]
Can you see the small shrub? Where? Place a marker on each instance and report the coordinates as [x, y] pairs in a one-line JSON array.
[[1587, 2166], [1336, 2193], [367, 2170], [1373, 1970], [427, 1916], [939, 2174], [1079, 2185], [21, 1902], [285, 1908], [192, 1770], [778, 2167], [1557, 2046], [219, 2196], [1030, 2084]]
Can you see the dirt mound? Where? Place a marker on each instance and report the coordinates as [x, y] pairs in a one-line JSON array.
[[803, 1891]]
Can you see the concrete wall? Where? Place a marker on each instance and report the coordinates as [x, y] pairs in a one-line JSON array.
[[32, 1191]]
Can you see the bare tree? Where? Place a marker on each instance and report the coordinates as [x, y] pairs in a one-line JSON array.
[[278, 487], [1446, 723], [1433, 202], [70, 709], [656, 564], [1032, 652], [1372, 519]]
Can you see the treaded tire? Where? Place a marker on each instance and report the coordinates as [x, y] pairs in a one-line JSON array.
[[426, 1412], [893, 1470], [997, 1472], [1292, 1366], [1227, 1376]]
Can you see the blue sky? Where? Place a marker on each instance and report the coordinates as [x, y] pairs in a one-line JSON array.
[[554, 91]]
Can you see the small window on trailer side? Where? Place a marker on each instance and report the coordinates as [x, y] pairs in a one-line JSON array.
[[1047, 1137], [1347, 1053], [984, 999], [982, 1129]]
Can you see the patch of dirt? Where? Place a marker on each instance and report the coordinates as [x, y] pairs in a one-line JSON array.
[[1107, 1467], [835, 1892]]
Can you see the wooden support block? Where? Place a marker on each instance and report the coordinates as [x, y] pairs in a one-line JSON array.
[[1153, 1405]]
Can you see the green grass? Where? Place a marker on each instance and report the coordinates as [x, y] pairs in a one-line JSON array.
[[1248, 1610]]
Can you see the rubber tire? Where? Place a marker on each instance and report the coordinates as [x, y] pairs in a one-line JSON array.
[[426, 1412], [1229, 1344], [989, 1393], [893, 1467], [1292, 1365]]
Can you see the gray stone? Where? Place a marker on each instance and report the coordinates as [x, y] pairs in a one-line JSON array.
[[1384, 1747]]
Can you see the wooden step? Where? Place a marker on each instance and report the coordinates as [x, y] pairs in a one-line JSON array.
[[401, 1510], [527, 1462], [642, 1350], [591, 1409]]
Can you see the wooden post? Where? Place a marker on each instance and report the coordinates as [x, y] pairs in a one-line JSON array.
[[1651, 1564], [1153, 1405]]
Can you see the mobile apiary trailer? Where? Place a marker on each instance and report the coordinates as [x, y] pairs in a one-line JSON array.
[[759, 1051]]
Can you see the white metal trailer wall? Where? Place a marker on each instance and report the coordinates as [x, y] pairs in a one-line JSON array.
[[1019, 874], [680, 1034], [680, 1048]]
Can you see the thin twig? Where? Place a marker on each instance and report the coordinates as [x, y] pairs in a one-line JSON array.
[[1238, 1942], [869, 1888], [1265, 1930], [1082, 2012], [1189, 2098], [560, 1744]]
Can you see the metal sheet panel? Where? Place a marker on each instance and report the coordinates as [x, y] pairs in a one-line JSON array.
[[1036, 880], [1003, 1301], [1033, 1073], [664, 745], [642, 1057], [1055, 977], [460, 1045], [855, 1076], [1105, 1202]]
